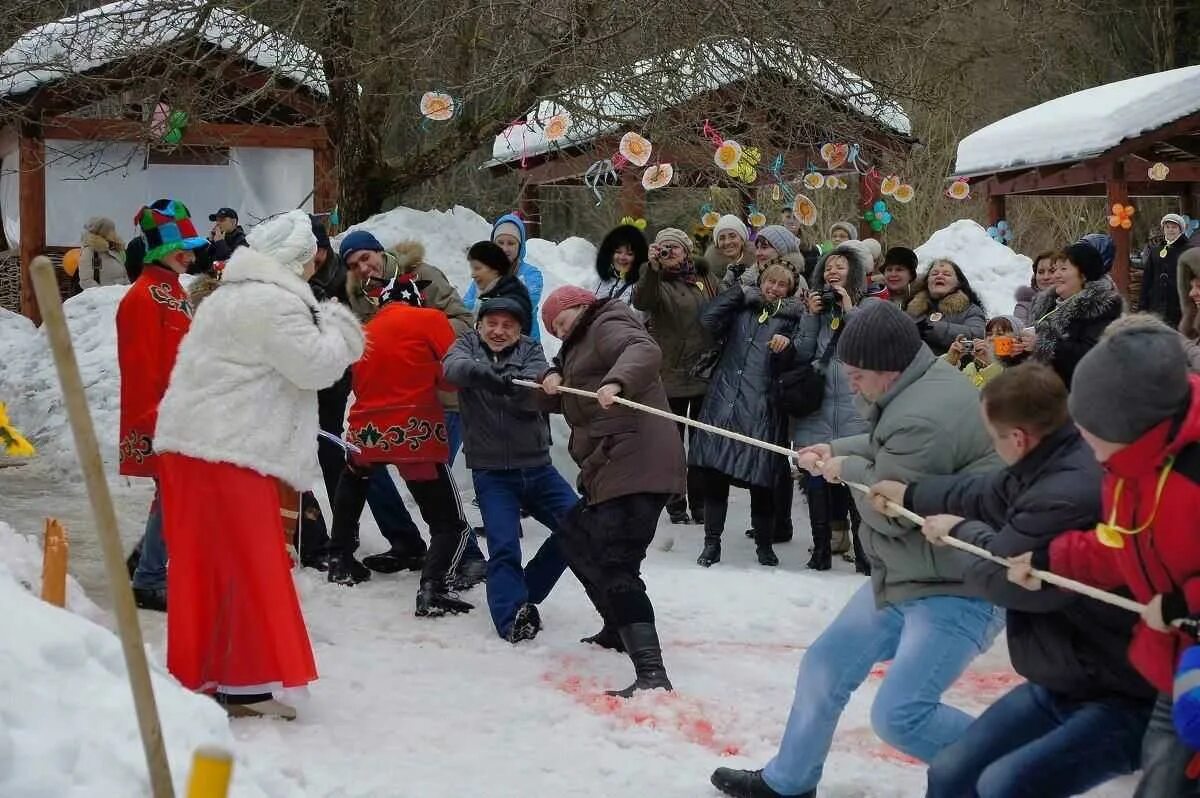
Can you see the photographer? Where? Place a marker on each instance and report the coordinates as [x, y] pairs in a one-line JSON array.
[[839, 285], [982, 359]]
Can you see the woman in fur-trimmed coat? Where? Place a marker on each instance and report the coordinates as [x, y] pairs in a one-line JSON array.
[[240, 414], [945, 307]]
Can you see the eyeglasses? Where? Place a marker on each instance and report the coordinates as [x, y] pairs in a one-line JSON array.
[[1111, 534]]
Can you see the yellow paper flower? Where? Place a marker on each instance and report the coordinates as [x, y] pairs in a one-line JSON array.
[[889, 185], [558, 126], [814, 180], [959, 190], [1158, 172], [728, 155], [710, 219], [904, 193], [657, 176], [635, 148], [805, 210], [437, 106], [757, 219]]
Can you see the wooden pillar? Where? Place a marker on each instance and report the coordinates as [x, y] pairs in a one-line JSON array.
[[995, 209], [529, 206], [865, 201], [633, 196], [32, 203], [1117, 191], [325, 181]]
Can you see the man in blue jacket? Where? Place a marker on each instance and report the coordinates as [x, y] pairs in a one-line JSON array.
[[510, 235], [1079, 719], [507, 445]]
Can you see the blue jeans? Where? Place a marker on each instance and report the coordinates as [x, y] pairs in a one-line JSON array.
[[151, 573], [1035, 743], [502, 494], [930, 642]]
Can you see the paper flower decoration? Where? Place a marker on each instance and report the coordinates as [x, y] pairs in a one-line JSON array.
[[558, 126], [437, 106], [835, 182], [710, 219], [635, 149], [805, 210], [1121, 216], [639, 223], [728, 155], [657, 176], [835, 155], [889, 185], [814, 180], [756, 218], [879, 216], [1159, 171], [959, 190], [904, 193], [1001, 232]]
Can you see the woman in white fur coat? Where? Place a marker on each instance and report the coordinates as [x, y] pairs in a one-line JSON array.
[[240, 413]]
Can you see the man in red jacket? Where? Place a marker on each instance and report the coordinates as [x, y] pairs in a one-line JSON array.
[[1139, 410], [398, 420], [152, 319]]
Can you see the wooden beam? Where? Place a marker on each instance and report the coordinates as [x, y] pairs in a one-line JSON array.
[[1118, 193], [325, 179], [1180, 127], [995, 208], [529, 206], [198, 134], [32, 202]]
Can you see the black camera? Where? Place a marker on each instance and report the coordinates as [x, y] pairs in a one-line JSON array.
[[830, 298], [968, 345]]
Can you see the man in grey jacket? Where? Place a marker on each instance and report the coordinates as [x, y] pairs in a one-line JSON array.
[[507, 445], [917, 612]]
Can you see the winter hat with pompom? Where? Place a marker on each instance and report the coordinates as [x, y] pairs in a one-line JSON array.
[[564, 298], [781, 238], [288, 239], [731, 222]]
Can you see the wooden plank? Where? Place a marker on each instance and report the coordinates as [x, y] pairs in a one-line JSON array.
[[200, 134], [995, 208], [1180, 127], [32, 202], [529, 206], [1118, 192], [325, 179]]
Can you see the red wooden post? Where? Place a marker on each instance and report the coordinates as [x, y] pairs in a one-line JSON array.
[[325, 181], [633, 196], [1117, 191], [528, 206], [32, 202], [995, 208]]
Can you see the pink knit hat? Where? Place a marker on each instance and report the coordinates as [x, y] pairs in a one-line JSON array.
[[564, 298]]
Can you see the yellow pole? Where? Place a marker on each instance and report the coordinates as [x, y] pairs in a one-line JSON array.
[[212, 770], [55, 549]]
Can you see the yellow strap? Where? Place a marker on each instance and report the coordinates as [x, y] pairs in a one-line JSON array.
[[1111, 534]]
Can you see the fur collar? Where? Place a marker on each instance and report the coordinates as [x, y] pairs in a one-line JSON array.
[[246, 265], [923, 303], [1099, 299], [409, 255]]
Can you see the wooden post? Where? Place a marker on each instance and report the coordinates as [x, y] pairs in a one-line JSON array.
[[55, 549], [633, 196], [32, 202], [88, 452], [325, 182], [865, 201], [1117, 191], [995, 208], [212, 769], [529, 205]]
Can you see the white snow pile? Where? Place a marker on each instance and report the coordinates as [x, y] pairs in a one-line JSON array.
[[994, 270], [115, 31], [1082, 124], [22, 556], [61, 675]]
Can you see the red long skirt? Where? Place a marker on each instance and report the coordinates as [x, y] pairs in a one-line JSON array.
[[233, 619]]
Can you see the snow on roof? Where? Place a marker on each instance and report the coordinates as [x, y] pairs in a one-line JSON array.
[[664, 81], [80, 43], [1082, 124]]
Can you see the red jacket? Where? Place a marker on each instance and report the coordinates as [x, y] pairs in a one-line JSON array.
[[152, 319], [396, 417], [1165, 557]]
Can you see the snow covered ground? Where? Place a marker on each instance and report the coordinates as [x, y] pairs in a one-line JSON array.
[[430, 708]]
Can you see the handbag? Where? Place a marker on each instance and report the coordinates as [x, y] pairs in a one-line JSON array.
[[799, 389]]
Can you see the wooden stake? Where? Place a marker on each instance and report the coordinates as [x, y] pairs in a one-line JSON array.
[[212, 770], [88, 451], [1045, 576], [55, 549]]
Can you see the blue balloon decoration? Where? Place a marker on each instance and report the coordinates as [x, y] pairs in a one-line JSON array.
[[880, 206]]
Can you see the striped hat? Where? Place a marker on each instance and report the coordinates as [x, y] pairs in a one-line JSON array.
[[167, 226]]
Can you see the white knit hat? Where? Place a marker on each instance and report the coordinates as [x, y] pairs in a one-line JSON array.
[[731, 222], [1173, 217], [287, 239]]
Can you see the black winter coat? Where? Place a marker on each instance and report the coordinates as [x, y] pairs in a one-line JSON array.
[[1066, 334], [1067, 643], [739, 394], [329, 282], [514, 289], [223, 249], [1160, 294]]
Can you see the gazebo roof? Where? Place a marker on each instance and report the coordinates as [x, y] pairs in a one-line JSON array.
[[624, 96], [113, 32], [1080, 125]]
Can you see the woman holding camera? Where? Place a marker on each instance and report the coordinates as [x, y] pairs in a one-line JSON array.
[[672, 289], [839, 286], [983, 359], [945, 307]]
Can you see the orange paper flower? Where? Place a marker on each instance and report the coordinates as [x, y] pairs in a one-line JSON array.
[[757, 219], [904, 193], [959, 190], [710, 219], [835, 154], [728, 155], [889, 185], [1121, 216], [558, 126], [814, 180], [437, 106], [657, 176], [805, 210], [635, 148]]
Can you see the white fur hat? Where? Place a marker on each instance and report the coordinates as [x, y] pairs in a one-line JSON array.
[[731, 222], [287, 239]]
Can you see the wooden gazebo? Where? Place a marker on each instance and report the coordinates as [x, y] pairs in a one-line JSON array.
[[722, 81], [88, 84], [1121, 141]]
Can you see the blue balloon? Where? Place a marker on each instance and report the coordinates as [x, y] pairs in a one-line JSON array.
[[993, 231], [1002, 225], [880, 206], [886, 218]]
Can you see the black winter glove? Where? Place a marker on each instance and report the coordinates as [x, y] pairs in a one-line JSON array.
[[500, 383]]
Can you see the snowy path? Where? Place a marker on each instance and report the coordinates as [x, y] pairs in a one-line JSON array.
[[409, 707]]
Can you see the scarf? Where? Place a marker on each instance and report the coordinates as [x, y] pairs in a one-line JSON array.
[[687, 272]]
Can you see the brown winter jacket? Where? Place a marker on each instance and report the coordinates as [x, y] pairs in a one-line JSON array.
[[672, 310], [619, 451]]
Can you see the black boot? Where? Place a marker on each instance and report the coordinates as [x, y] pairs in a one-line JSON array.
[[762, 540], [526, 624], [395, 559], [470, 573], [135, 557], [749, 784], [345, 570], [677, 511], [150, 598], [711, 553], [641, 641], [434, 601], [822, 556], [607, 637]]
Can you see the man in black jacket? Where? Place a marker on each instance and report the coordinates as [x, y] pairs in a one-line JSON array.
[[227, 235], [1080, 718], [507, 444]]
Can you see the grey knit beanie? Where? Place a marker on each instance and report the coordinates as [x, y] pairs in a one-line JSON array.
[[846, 227], [1109, 396], [778, 236], [879, 336]]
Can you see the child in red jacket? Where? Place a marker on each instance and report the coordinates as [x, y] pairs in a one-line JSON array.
[[398, 420], [1139, 410], [152, 319]]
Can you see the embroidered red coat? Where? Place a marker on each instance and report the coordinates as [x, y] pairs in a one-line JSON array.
[[152, 319], [396, 417]]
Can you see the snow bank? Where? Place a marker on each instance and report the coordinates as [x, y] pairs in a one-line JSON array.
[[995, 271]]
